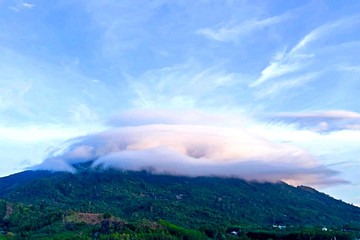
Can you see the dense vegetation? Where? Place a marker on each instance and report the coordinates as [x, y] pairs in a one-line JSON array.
[[30, 222], [19, 221], [94, 204]]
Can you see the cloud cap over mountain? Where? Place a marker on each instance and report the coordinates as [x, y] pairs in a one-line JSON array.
[[193, 150]]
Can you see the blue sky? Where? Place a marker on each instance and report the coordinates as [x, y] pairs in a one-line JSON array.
[[288, 71]]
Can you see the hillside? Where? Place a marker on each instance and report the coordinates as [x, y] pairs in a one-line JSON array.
[[187, 202]]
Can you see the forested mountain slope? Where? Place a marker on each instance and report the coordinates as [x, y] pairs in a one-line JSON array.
[[187, 202]]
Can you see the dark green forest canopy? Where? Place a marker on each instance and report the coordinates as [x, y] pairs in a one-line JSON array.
[[32, 222], [181, 200], [210, 206]]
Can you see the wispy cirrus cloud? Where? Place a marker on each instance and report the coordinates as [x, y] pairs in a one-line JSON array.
[[27, 94], [21, 5], [12, 96], [276, 88], [321, 121], [349, 68], [285, 62], [233, 32], [302, 55], [28, 5], [194, 86]]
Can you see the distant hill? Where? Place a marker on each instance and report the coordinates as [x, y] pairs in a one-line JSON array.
[[187, 202]]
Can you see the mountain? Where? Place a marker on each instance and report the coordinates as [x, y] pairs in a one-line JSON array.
[[181, 200], [194, 203]]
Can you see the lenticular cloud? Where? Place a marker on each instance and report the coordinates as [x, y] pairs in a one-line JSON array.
[[193, 150]]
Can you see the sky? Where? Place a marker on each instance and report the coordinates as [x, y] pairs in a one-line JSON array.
[[261, 90]]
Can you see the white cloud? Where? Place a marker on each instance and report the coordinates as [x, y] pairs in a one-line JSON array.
[[349, 68], [29, 5], [21, 5], [301, 55], [33, 91], [182, 86], [321, 121], [234, 33], [331, 148], [336, 114], [284, 63], [82, 114], [277, 87], [22, 146], [122, 23], [15, 9], [12, 96], [194, 150], [43, 133], [138, 117], [171, 162]]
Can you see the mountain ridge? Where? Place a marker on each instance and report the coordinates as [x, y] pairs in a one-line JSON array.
[[182, 200]]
